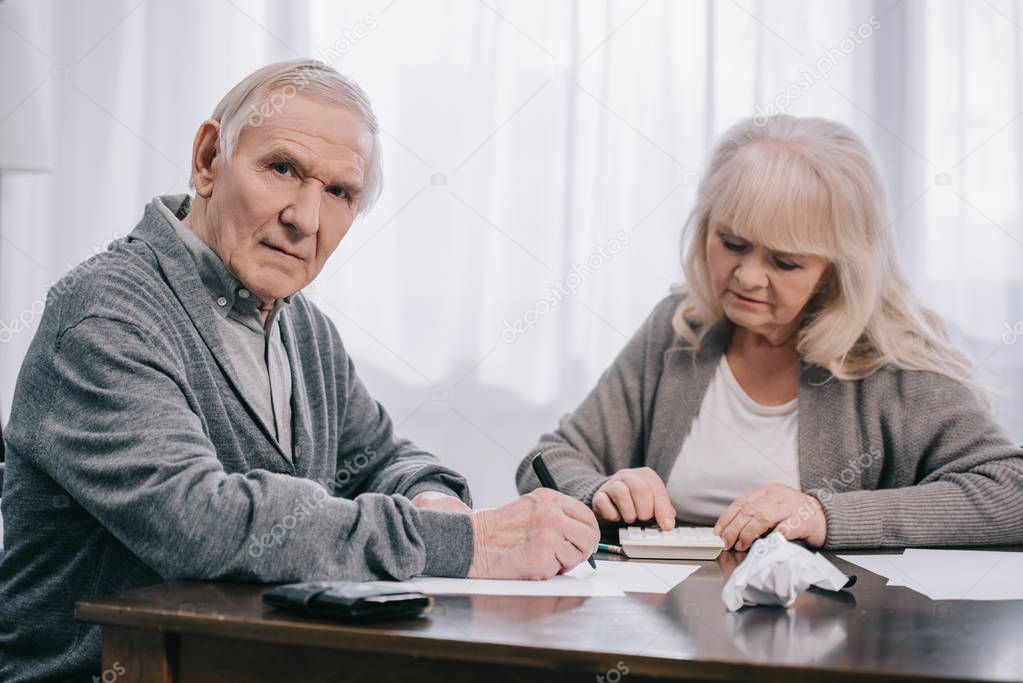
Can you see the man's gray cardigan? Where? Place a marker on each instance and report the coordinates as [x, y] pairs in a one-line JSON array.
[[901, 458], [133, 459]]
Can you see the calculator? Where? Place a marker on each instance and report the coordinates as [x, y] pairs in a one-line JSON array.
[[680, 543]]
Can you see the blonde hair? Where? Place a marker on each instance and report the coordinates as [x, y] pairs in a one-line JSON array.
[[263, 93], [808, 185]]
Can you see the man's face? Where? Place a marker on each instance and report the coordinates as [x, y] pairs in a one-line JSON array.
[[281, 204]]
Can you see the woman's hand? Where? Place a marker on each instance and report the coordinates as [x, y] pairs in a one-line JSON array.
[[795, 514], [634, 494]]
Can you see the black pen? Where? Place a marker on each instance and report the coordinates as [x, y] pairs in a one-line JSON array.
[[547, 481]]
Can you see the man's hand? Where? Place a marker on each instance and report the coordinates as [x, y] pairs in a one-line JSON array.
[[541, 534], [795, 514], [634, 494], [435, 500]]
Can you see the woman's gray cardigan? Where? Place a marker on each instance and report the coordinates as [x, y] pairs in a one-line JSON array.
[[901, 458]]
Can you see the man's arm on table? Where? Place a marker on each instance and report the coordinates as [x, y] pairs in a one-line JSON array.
[[116, 431]]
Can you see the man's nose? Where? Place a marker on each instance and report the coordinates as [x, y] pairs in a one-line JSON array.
[[303, 213]]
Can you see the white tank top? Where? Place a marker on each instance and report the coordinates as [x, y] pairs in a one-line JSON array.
[[735, 445]]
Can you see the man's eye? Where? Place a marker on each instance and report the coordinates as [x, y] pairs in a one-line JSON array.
[[338, 191], [282, 168]]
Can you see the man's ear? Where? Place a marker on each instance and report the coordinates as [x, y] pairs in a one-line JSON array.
[[205, 151]]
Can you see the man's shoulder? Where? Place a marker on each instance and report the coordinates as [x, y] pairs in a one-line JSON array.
[[123, 282]]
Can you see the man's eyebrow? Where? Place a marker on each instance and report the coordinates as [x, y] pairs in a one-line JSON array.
[[283, 154], [286, 155]]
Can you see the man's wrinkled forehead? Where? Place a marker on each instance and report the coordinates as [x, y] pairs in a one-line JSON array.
[[326, 137]]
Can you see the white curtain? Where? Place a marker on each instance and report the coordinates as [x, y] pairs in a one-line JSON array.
[[530, 148]]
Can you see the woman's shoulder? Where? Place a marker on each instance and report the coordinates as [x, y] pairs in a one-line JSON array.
[[662, 318], [660, 328], [917, 391], [664, 310]]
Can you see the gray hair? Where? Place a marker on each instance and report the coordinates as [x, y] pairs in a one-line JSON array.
[[264, 92]]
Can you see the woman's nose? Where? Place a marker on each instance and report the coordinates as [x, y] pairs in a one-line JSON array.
[[751, 274]]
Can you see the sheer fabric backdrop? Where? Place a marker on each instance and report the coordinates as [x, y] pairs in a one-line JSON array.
[[540, 160]]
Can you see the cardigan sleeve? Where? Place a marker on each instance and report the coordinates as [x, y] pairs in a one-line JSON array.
[[956, 478], [373, 459], [117, 432], [606, 432]]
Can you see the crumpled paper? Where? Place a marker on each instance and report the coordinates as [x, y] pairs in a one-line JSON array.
[[775, 571]]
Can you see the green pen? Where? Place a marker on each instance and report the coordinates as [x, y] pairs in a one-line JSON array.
[[614, 549]]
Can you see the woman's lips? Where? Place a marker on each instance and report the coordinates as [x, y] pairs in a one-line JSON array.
[[746, 300]]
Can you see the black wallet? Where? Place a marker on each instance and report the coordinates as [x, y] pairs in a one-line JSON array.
[[348, 600]]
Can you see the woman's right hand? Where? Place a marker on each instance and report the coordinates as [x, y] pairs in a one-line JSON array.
[[635, 494]]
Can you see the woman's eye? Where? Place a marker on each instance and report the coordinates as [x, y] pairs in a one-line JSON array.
[[785, 265], [338, 191], [282, 168], [733, 245]]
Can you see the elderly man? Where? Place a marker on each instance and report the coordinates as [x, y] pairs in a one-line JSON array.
[[183, 412]]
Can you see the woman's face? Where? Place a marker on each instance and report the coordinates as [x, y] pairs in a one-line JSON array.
[[760, 290]]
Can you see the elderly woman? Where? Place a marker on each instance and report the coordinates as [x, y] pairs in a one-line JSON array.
[[794, 382]]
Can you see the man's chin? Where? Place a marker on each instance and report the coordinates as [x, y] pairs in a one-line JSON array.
[[268, 290]]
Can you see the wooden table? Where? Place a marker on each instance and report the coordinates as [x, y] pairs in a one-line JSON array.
[[200, 631]]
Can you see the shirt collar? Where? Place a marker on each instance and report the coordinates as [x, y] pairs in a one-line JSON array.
[[229, 296]]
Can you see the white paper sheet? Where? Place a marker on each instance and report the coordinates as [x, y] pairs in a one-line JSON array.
[[608, 579], [950, 574], [884, 565], [642, 577]]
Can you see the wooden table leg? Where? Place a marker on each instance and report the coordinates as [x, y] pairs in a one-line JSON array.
[[138, 655]]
